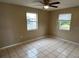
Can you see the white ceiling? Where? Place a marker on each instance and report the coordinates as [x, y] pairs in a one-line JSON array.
[[34, 4]]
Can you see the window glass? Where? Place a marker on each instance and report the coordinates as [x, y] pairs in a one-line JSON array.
[[64, 21], [32, 21]]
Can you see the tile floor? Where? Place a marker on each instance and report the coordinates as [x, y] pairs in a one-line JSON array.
[[43, 48]]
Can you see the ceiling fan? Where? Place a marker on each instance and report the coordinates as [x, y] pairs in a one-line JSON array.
[[47, 4]]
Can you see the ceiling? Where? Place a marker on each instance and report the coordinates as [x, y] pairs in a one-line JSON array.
[[35, 4]]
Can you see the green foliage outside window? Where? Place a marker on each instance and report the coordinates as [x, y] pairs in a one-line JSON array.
[[64, 24], [64, 21]]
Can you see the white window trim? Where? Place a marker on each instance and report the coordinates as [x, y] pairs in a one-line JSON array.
[[36, 21], [70, 22]]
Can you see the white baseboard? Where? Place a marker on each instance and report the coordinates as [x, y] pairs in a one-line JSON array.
[[22, 42], [37, 39], [69, 41]]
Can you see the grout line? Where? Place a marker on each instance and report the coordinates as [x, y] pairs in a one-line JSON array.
[[71, 51], [16, 44]]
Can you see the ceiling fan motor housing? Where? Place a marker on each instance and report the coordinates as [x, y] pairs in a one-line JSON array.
[[46, 2]]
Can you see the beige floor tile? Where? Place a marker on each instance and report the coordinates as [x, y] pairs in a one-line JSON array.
[[51, 55], [69, 49], [75, 52], [56, 53], [72, 56], [4, 54], [61, 56], [62, 48], [43, 48], [41, 55], [12, 53]]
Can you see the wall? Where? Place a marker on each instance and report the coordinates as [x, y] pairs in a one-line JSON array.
[[73, 34], [13, 27]]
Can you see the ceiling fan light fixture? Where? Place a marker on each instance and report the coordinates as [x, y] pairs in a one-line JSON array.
[[46, 7]]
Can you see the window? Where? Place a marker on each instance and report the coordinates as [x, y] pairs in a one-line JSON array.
[[32, 21], [64, 21]]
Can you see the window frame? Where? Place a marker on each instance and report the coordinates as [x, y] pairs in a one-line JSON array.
[[66, 20], [36, 21]]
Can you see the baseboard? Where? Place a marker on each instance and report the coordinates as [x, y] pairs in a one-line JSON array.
[[22, 42], [37, 39], [69, 41], [75, 43]]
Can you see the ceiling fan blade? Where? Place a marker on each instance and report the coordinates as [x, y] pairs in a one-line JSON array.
[[54, 6], [41, 2], [54, 3]]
